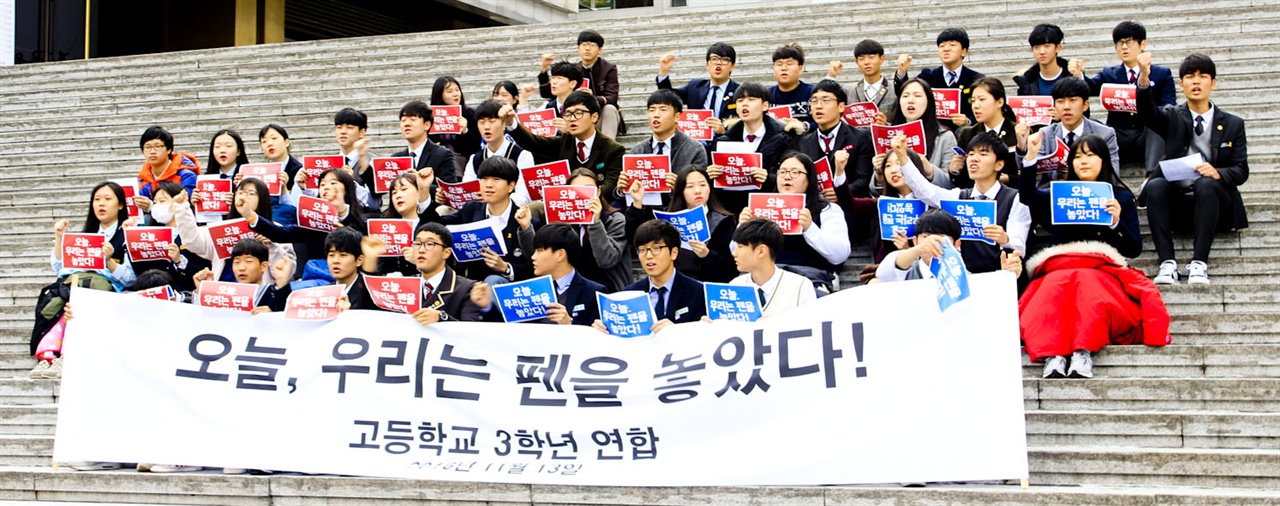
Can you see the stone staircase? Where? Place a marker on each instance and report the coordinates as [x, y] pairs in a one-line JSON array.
[[1197, 422]]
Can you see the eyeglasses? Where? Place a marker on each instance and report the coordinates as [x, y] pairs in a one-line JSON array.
[[427, 245], [791, 173], [716, 59], [576, 114], [153, 147], [1126, 42], [645, 251], [821, 101], [785, 64]]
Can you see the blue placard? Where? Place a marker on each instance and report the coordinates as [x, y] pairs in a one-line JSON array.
[[525, 300], [692, 223], [899, 214], [953, 278], [470, 239], [1080, 202], [626, 314], [972, 215], [732, 302]]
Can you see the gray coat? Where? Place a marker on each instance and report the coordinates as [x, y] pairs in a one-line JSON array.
[[684, 151]]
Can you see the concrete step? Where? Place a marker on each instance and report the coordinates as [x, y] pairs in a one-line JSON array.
[[1154, 429], [1180, 361], [26, 450], [27, 392], [1259, 469], [1251, 395], [36, 420]]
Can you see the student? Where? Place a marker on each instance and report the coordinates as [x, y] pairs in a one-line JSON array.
[[162, 164], [895, 186], [713, 93], [404, 206], [848, 151], [349, 129], [770, 137], [249, 263], [429, 159], [1046, 43], [915, 102], [759, 241], [818, 252], [933, 228], [953, 47], [554, 248], [447, 91], [604, 254], [1195, 126], [344, 253], [1137, 143], [1088, 162], [226, 155], [674, 297], [498, 178], [788, 65], [992, 114], [603, 85], [446, 296], [198, 240], [508, 93], [873, 87], [181, 263], [565, 78], [337, 188], [496, 143], [578, 141], [707, 261], [1013, 220], [275, 144], [1071, 100], [664, 112]]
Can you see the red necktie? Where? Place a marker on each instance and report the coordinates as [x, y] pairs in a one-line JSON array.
[[582, 151], [427, 293], [751, 138], [1133, 76], [826, 144]]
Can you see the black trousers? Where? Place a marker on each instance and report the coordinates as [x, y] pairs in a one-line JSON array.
[[1204, 201]]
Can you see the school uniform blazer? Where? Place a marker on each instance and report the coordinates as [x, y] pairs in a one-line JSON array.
[[274, 297], [1007, 133], [695, 94], [685, 303], [776, 141], [1226, 141], [1054, 131], [438, 157], [886, 99], [1161, 77], [605, 158], [358, 295], [579, 299], [684, 152], [519, 242], [289, 233], [857, 172], [937, 78], [604, 85], [453, 299]]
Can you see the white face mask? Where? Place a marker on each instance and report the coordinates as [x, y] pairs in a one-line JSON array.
[[162, 213]]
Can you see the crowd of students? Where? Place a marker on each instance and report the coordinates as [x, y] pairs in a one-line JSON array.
[[980, 153]]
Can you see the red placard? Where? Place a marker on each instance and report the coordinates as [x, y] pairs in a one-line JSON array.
[[269, 173], [319, 303], [782, 208], [148, 243], [651, 169], [569, 204], [540, 122], [386, 170], [547, 174], [861, 114], [883, 136], [445, 119], [586, 83], [398, 295], [213, 192], [130, 187], [826, 178], [1032, 110], [398, 234], [737, 169], [780, 113], [1057, 162], [226, 234], [160, 292], [458, 194], [946, 101], [224, 295], [313, 166], [693, 122], [83, 251], [316, 214], [1119, 97]]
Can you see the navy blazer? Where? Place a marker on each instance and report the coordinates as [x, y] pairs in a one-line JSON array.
[[453, 299], [471, 212], [857, 172], [438, 157], [358, 295], [937, 78], [695, 93], [686, 302], [775, 143], [579, 299]]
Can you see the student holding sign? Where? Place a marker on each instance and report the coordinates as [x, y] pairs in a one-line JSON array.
[[337, 189], [428, 159], [180, 263], [447, 91], [578, 141], [508, 93], [162, 164], [446, 296], [762, 134], [226, 155], [601, 78], [715, 93], [498, 178], [874, 86], [1071, 101], [249, 264], [664, 110], [915, 102], [934, 228], [275, 144], [953, 47], [847, 151], [759, 242], [345, 255], [249, 199], [1195, 127], [704, 261], [993, 115], [565, 78], [605, 254], [496, 143], [403, 206], [349, 128], [555, 247], [674, 297]]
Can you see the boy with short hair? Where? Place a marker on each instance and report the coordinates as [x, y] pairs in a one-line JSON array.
[[345, 252], [675, 298], [554, 248], [664, 113], [933, 228], [565, 78], [715, 93], [873, 87], [759, 241], [1046, 43], [953, 47], [249, 264], [770, 137], [788, 66], [1071, 102], [498, 178], [496, 143], [446, 296], [431, 161], [162, 163], [578, 141], [603, 84], [349, 128]]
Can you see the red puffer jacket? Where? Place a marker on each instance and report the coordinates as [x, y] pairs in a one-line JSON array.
[[1083, 295]]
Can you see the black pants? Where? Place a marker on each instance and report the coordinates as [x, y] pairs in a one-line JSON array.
[[1204, 200]]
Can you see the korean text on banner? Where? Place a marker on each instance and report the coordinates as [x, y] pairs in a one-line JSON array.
[[396, 294], [396, 233], [541, 122], [781, 208], [130, 187], [446, 119], [386, 170], [737, 170], [471, 239], [148, 243], [946, 101], [732, 302], [1080, 202], [213, 192], [223, 295], [861, 114], [973, 215], [317, 214], [225, 235], [1119, 97], [883, 136], [318, 303], [693, 122], [525, 300], [83, 251], [626, 313], [268, 173], [1032, 110], [692, 224], [458, 194], [569, 204], [899, 215], [548, 174]]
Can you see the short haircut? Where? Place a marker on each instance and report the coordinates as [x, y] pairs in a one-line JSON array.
[[488, 109], [169, 188], [792, 51], [156, 132], [582, 98], [1197, 62], [500, 167], [657, 231], [344, 240], [251, 247], [666, 97], [954, 34], [724, 50], [417, 108], [757, 231], [752, 90], [272, 126], [151, 279], [1045, 33], [436, 229], [1070, 86], [558, 236], [1128, 30], [591, 36], [349, 116], [937, 221], [566, 70], [833, 88], [869, 47], [988, 141]]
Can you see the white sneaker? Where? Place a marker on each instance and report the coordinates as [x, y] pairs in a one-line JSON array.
[[37, 372], [93, 466], [1081, 365], [234, 470], [1055, 367], [1197, 273], [165, 468], [1168, 274], [55, 369]]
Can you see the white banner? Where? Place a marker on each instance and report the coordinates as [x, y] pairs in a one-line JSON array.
[[869, 385]]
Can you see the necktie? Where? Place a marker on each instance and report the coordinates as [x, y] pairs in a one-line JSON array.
[[713, 100], [426, 293], [1133, 76], [1071, 139], [582, 151], [980, 197], [660, 309], [762, 298], [751, 137], [1199, 125], [951, 78], [415, 159], [660, 146], [351, 163], [826, 143]]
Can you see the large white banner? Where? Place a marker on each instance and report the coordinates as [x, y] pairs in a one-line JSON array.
[[869, 385]]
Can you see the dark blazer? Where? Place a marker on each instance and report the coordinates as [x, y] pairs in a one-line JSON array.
[[1227, 142], [605, 158], [358, 295], [604, 85], [465, 144], [858, 171], [453, 299], [776, 142], [695, 93], [291, 233], [1162, 87], [579, 299], [275, 298], [937, 78], [686, 298], [520, 260], [438, 157], [1007, 133]]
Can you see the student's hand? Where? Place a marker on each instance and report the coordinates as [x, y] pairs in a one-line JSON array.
[[282, 270], [195, 198], [1207, 170], [699, 248], [622, 181], [664, 64], [494, 260], [1113, 208], [107, 251], [1022, 131], [877, 165], [129, 223], [284, 180], [900, 240], [957, 164], [481, 295], [806, 218], [362, 149], [929, 248], [527, 91], [959, 119], [636, 190], [599, 325], [714, 172], [508, 115], [66, 312], [426, 176], [904, 64], [829, 194], [248, 213], [671, 179], [1011, 262], [260, 310], [660, 324], [1033, 147], [262, 239], [745, 216], [440, 196], [842, 160], [344, 303], [200, 277], [547, 60], [560, 124], [759, 174], [715, 125], [595, 208], [558, 314], [462, 122], [834, 68], [524, 217], [143, 203], [175, 253], [372, 246], [1144, 65], [235, 181], [881, 119], [795, 126], [996, 233], [426, 316], [1076, 67], [899, 144]]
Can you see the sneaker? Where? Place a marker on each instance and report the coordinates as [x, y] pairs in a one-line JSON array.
[[94, 466], [144, 468], [37, 372], [234, 470], [1081, 365], [55, 369], [1168, 274], [1197, 273], [165, 468], [1055, 367]]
